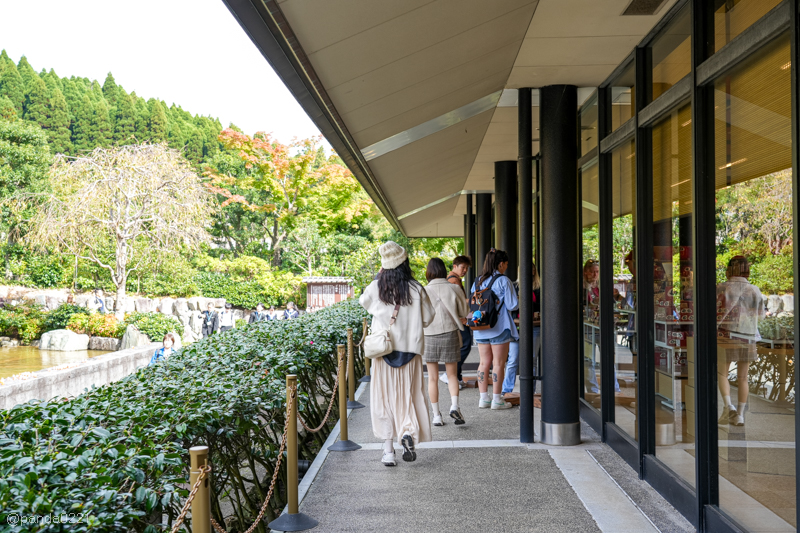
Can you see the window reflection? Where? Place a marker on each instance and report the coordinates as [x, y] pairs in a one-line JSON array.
[[588, 124], [623, 97], [732, 17], [671, 53], [755, 304], [623, 193], [590, 196]]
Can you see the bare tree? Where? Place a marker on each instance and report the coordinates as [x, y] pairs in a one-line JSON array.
[[118, 207]]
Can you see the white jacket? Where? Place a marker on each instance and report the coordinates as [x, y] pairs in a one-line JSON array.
[[407, 332], [453, 304]]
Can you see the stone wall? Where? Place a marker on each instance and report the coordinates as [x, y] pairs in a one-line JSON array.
[[98, 371]]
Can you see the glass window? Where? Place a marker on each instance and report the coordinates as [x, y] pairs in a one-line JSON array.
[[623, 97], [755, 301], [673, 273], [590, 196], [732, 17], [623, 207], [588, 124], [671, 53]]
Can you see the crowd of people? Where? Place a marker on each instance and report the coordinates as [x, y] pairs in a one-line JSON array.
[[434, 325]]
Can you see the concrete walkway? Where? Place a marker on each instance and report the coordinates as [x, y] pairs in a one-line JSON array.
[[479, 477]]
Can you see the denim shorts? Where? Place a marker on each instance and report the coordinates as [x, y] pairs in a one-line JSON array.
[[500, 339]]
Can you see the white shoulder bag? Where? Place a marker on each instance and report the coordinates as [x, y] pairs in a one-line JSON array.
[[379, 343]]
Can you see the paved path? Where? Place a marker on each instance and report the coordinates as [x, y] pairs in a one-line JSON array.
[[479, 477]]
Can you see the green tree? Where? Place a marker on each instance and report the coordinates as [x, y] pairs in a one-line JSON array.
[[28, 76], [11, 84], [124, 119], [156, 121], [110, 91], [82, 134], [7, 109], [102, 127]]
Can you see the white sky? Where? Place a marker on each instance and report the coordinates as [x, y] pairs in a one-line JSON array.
[[190, 52]]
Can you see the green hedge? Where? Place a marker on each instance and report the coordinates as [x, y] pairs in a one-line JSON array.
[[118, 454]]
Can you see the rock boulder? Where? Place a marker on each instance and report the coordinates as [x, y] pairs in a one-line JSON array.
[[63, 340], [166, 306], [106, 344], [196, 303], [133, 338], [144, 305], [181, 307]]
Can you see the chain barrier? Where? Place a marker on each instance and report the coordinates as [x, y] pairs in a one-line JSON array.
[[204, 470], [327, 413]]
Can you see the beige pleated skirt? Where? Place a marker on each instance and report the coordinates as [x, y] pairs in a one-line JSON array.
[[398, 402]]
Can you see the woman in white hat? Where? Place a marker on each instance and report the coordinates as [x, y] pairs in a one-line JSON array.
[[397, 397]]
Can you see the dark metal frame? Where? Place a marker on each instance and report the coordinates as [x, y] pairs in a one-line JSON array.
[[794, 23]]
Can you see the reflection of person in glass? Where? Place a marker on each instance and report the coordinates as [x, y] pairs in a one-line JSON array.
[[740, 306], [591, 314]]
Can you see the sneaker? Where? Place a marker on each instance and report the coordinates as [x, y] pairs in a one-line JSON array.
[[455, 414], [461, 384], [388, 459], [409, 455], [500, 405], [437, 419], [727, 413], [737, 419], [443, 377], [484, 404]]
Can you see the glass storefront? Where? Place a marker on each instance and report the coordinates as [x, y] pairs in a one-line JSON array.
[[623, 97], [623, 207], [732, 17], [590, 265], [755, 302], [587, 119], [672, 323], [671, 53]]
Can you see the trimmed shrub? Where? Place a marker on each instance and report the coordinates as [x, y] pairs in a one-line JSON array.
[[97, 325], [59, 317], [118, 455], [24, 321], [154, 325]]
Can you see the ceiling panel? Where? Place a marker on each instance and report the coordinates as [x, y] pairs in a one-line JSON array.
[[438, 221]]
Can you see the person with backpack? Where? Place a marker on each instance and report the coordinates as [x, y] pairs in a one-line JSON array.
[[491, 303], [513, 353], [399, 304], [442, 337]]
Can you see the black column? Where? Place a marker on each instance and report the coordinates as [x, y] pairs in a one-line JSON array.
[[469, 242], [560, 269], [505, 212], [525, 182], [483, 228]]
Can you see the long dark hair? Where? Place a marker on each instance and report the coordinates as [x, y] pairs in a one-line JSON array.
[[394, 284], [490, 264]]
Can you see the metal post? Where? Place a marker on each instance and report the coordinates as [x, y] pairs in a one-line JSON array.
[[366, 378], [483, 227], [469, 244], [343, 444], [505, 212], [525, 193], [561, 269], [201, 505], [294, 520], [351, 373]]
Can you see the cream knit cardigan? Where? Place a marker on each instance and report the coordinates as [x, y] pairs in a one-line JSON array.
[[453, 299], [407, 332]]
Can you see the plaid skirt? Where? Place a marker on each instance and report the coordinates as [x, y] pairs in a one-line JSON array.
[[443, 348]]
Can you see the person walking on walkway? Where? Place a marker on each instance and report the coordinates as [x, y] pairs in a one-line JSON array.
[[493, 342], [210, 321], [442, 337], [513, 352], [226, 320], [397, 399], [461, 264]]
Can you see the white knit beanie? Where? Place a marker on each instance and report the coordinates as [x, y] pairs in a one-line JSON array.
[[392, 255]]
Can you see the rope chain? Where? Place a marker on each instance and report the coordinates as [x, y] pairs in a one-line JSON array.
[[204, 470], [328, 412]]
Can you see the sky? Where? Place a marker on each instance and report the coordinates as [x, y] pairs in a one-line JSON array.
[[190, 52]]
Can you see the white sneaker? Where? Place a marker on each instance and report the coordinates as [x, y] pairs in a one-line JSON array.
[[443, 377], [737, 419], [500, 405], [484, 404], [727, 414], [388, 459], [437, 419]]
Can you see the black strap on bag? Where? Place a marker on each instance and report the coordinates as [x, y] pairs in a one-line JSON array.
[[483, 307]]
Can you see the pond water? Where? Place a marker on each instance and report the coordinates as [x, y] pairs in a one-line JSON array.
[[30, 359]]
